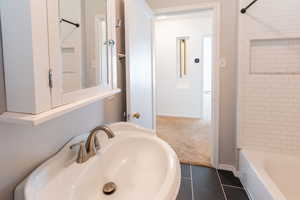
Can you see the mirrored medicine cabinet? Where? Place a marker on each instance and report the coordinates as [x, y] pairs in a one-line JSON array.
[[65, 54]]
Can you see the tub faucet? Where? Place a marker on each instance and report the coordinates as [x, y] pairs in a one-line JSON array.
[[89, 148]]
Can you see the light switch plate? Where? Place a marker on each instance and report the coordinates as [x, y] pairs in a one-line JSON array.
[[223, 63]]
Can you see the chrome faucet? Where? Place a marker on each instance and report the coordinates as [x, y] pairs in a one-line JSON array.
[[89, 148]]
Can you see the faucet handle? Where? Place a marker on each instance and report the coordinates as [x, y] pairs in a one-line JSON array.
[[76, 144], [82, 155], [97, 143]]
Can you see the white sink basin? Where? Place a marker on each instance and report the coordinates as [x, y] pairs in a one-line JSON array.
[[141, 165]]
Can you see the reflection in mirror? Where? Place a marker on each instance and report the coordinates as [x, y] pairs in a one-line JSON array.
[[83, 34]]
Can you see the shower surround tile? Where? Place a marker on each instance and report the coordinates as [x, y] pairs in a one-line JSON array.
[[269, 79]]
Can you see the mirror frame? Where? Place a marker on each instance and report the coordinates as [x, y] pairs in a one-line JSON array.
[[58, 96]]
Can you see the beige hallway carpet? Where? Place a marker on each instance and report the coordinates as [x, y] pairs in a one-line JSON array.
[[189, 138]]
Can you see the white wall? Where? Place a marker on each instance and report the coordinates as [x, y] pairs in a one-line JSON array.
[[176, 96], [269, 80], [228, 76]]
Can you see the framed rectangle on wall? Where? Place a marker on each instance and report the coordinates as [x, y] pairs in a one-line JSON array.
[[182, 53]]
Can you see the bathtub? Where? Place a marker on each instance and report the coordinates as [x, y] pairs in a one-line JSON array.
[[270, 176]]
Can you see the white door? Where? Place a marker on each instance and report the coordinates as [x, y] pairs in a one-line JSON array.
[[207, 78], [139, 71]]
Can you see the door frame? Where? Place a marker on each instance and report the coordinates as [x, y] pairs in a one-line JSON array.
[[216, 8], [202, 64]]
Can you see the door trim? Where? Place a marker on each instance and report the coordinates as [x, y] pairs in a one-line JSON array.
[[154, 112], [216, 8]]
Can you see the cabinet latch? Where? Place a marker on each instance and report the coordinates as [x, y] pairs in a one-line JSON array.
[[50, 76]]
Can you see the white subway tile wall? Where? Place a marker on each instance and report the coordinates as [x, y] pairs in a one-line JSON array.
[[269, 76], [280, 56]]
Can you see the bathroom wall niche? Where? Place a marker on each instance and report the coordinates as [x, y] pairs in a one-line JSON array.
[[275, 56]]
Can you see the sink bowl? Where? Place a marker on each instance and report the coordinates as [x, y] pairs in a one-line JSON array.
[[140, 164]]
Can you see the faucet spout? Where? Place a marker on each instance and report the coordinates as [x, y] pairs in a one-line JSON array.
[[92, 143], [110, 134]]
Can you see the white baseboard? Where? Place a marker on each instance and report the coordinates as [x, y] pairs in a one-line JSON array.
[[178, 116], [229, 168]]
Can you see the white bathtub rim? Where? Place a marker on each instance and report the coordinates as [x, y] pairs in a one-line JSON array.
[[257, 166], [250, 196]]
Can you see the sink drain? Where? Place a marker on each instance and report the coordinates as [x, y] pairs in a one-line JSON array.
[[109, 188]]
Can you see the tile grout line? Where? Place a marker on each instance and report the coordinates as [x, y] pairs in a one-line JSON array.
[[187, 178], [232, 186], [192, 184], [221, 184]]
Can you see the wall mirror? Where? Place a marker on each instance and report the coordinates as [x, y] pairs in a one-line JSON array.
[[83, 42], [82, 49]]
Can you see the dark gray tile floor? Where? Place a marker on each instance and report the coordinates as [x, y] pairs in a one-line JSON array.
[[202, 183]]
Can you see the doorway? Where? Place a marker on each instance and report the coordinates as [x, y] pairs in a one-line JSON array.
[[141, 78], [186, 82]]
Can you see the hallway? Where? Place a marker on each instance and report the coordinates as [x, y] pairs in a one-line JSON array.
[[189, 138]]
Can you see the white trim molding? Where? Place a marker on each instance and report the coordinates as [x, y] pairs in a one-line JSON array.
[[34, 120]]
